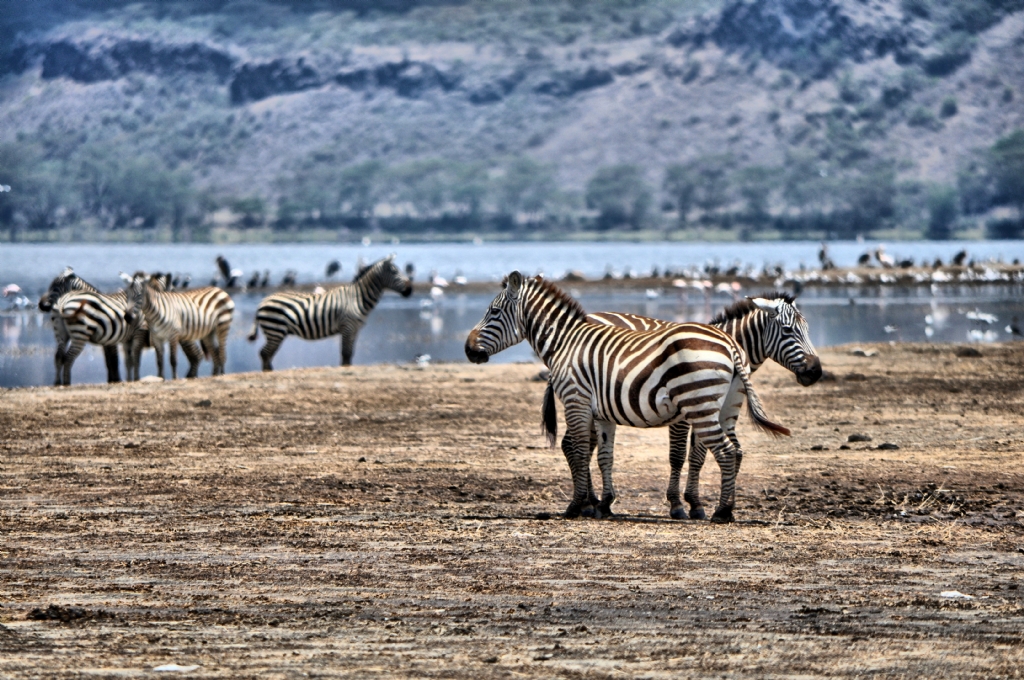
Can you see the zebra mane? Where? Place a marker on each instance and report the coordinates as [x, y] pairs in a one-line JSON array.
[[745, 306], [365, 269], [557, 293]]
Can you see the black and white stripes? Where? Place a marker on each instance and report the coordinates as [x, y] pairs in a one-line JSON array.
[[607, 376], [321, 314]]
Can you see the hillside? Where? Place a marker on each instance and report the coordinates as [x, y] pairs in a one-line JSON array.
[[792, 116]]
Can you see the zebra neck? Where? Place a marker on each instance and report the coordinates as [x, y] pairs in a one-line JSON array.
[[546, 321], [747, 333], [368, 292]]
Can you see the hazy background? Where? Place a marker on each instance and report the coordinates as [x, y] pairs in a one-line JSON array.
[[265, 120]]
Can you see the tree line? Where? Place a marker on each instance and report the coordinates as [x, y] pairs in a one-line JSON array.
[[840, 194]]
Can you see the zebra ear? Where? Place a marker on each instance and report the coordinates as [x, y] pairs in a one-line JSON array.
[[126, 278], [68, 271], [515, 282], [769, 307]]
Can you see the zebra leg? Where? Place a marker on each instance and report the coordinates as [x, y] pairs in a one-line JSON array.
[[58, 364], [172, 352], [220, 353], [194, 356], [725, 454], [578, 424], [270, 348], [698, 453], [113, 363], [158, 347], [678, 436], [592, 499], [605, 460], [77, 345], [348, 347]]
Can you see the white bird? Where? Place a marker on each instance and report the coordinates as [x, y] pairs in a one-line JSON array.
[[883, 258], [891, 329], [438, 280], [319, 290], [436, 292], [652, 294], [422, 359], [11, 289], [982, 317], [460, 280]]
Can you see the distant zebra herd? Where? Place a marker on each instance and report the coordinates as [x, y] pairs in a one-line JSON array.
[[147, 314]]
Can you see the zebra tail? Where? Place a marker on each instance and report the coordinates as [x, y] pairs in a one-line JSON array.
[[549, 422], [755, 408], [254, 332]]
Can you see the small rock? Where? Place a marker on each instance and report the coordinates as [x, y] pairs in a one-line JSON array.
[[491, 659], [967, 352], [819, 447], [858, 438], [888, 446], [858, 352], [204, 403], [362, 459], [855, 377], [131, 445], [844, 447], [543, 515]]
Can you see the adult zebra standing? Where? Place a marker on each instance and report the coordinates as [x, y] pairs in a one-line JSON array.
[[766, 327], [67, 282], [184, 317], [607, 376], [321, 314]]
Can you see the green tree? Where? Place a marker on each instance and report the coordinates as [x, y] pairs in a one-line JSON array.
[[359, 188], [680, 184], [756, 184], [620, 195], [942, 212], [1007, 169], [526, 187], [712, 187]]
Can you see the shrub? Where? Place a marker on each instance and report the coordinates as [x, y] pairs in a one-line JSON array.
[[621, 196], [948, 108], [1006, 165], [942, 212]]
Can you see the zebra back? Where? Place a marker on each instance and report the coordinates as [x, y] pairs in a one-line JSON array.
[[65, 282], [183, 315]]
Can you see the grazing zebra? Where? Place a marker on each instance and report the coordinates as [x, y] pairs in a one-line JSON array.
[[607, 376], [200, 314], [320, 314], [766, 327]]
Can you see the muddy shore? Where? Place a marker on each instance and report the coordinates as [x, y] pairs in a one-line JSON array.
[[382, 521]]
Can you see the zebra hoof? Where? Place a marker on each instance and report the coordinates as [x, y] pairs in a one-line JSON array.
[[678, 513], [590, 511], [573, 511], [698, 513], [723, 516]]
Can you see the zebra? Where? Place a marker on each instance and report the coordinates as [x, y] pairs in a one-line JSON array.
[[199, 314], [66, 282], [322, 313], [82, 314], [766, 327], [607, 376]]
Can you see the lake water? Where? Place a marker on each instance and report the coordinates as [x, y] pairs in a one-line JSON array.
[[400, 329]]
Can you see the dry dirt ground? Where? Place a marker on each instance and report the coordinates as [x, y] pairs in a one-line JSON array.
[[386, 521]]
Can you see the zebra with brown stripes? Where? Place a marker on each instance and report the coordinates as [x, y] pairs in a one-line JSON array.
[[607, 376], [766, 327], [184, 317], [340, 310]]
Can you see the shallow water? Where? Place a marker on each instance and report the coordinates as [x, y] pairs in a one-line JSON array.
[[401, 329], [33, 266]]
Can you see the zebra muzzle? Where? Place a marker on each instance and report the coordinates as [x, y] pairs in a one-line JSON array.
[[475, 355], [811, 374]]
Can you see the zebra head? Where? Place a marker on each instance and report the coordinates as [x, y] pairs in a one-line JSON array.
[[65, 282], [786, 338], [137, 294], [501, 326], [385, 274]]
